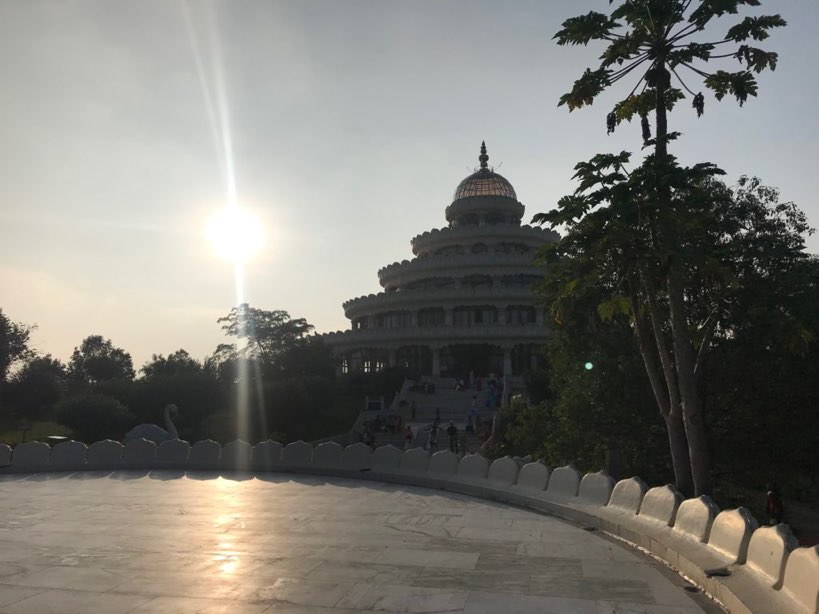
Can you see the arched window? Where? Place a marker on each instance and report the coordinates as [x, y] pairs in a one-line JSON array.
[[519, 315], [431, 316]]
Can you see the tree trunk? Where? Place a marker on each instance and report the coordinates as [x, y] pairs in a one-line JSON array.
[[669, 410], [677, 439], [689, 394], [685, 359]]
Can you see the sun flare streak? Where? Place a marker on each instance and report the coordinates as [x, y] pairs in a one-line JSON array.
[[234, 233]]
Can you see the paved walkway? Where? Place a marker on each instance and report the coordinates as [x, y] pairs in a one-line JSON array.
[[289, 544]]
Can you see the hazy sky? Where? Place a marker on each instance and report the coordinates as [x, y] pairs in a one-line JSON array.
[[351, 124]]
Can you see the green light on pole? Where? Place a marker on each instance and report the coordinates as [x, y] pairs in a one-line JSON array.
[[588, 366]]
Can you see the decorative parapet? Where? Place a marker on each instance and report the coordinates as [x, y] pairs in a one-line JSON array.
[[406, 271], [746, 568], [383, 301], [266, 455], [437, 238], [499, 334]]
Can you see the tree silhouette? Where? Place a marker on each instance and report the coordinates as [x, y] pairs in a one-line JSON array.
[[647, 231]]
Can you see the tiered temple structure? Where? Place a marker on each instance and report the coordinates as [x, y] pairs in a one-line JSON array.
[[464, 303]]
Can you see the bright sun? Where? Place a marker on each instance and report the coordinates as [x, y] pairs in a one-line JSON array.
[[235, 234]]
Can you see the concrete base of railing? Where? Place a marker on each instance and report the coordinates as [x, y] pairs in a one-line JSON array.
[[744, 567]]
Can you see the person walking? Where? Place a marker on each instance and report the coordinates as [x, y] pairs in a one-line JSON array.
[[452, 431], [433, 437]]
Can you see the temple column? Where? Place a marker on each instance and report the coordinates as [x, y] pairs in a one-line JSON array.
[[502, 315], [539, 317], [448, 317], [391, 354], [507, 360], [413, 317], [436, 361], [533, 359]]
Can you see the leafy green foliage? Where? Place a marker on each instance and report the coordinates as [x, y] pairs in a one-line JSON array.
[[655, 39], [590, 416], [749, 290], [741, 84], [97, 360], [757, 59], [586, 89], [94, 417], [14, 340], [709, 9], [764, 408], [281, 383], [35, 389], [583, 29], [178, 363], [755, 28], [283, 374], [640, 238], [179, 379], [268, 334]]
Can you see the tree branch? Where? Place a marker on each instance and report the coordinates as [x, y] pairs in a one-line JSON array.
[[623, 73], [696, 70], [682, 33], [650, 18], [643, 334], [681, 81], [635, 61], [710, 326], [665, 357]]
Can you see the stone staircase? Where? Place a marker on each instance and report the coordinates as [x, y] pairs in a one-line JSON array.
[[451, 405]]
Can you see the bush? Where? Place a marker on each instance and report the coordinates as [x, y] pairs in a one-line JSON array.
[[93, 417]]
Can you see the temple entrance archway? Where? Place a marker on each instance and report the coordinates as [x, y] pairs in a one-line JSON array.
[[415, 358], [481, 359], [527, 357]]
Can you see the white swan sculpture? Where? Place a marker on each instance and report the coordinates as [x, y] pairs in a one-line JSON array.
[[153, 432]]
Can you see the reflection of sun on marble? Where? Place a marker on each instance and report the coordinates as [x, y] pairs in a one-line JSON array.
[[228, 563], [225, 557], [222, 521], [229, 567]]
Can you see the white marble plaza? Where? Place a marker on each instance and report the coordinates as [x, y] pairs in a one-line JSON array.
[[137, 542]]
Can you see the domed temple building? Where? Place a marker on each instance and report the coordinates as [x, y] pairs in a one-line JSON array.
[[464, 303]]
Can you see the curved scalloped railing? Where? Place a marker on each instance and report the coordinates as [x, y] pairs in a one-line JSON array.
[[437, 297], [443, 237], [484, 333], [407, 271], [746, 568]]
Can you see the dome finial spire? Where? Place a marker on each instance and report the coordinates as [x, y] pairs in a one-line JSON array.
[[483, 158]]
